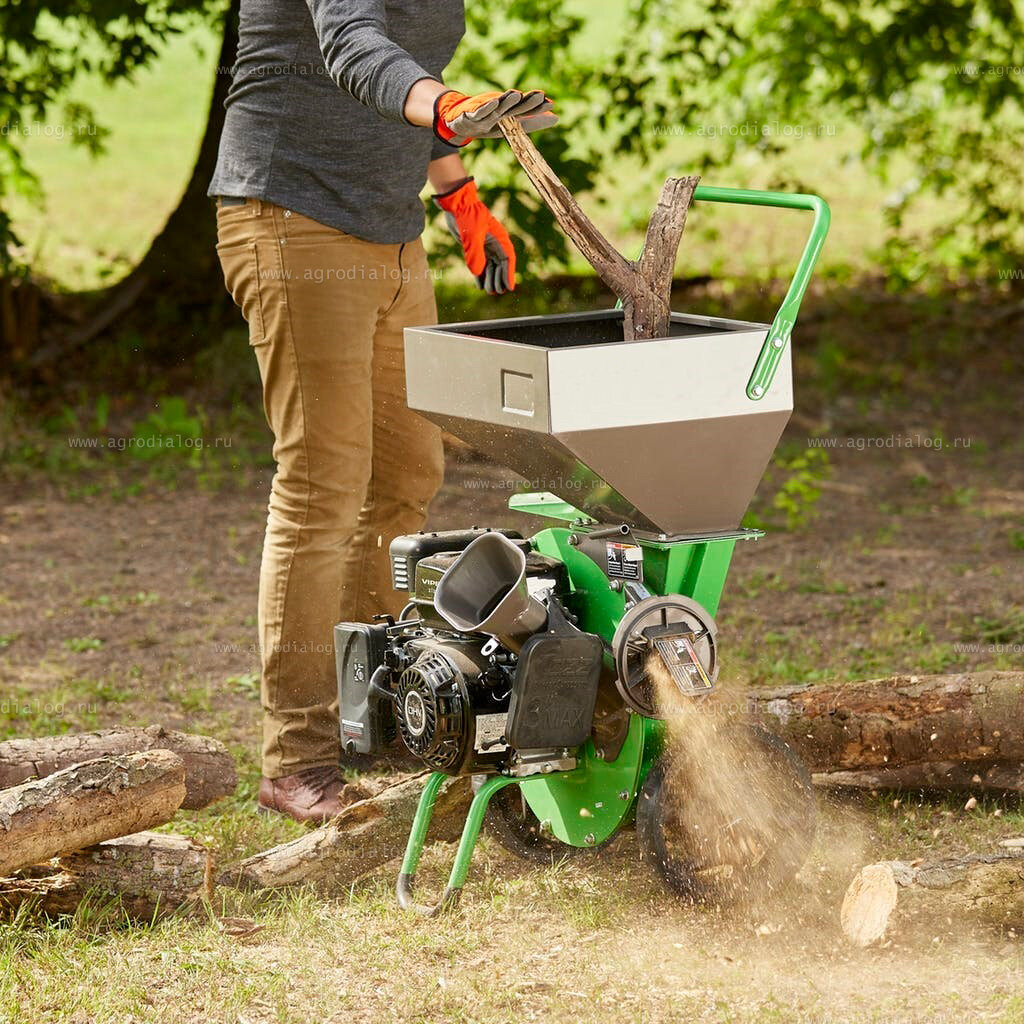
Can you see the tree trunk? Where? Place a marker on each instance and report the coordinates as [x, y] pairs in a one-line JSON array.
[[363, 836], [989, 885], [935, 732], [182, 261], [209, 769], [180, 269], [928, 732], [150, 874], [86, 804]]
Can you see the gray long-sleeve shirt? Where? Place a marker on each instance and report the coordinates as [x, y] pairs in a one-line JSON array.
[[314, 116]]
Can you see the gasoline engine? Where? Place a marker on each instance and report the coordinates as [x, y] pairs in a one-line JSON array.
[[484, 672]]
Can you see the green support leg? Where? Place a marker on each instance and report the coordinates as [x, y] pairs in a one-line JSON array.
[[418, 836]]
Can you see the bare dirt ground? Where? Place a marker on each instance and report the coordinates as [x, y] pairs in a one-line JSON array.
[[136, 605]]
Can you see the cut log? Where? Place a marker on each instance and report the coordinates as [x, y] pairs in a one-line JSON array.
[[643, 286], [990, 886], [362, 837], [959, 732], [150, 874], [209, 768], [87, 804]]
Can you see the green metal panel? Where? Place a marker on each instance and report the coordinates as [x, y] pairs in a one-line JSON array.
[[696, 569], [598, 607], [544, 503], [587, 806]]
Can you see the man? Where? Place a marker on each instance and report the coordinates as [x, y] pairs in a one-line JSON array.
[[335, 117]]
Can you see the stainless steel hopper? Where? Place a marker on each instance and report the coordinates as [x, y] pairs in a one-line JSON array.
[[657, 433], [667, 434]]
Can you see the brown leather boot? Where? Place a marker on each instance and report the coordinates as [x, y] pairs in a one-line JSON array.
[[313, 794]]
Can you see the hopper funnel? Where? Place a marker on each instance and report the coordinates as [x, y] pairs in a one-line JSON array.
[[657, 433]]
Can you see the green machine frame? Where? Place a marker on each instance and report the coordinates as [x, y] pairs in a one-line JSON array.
[[587, 805]]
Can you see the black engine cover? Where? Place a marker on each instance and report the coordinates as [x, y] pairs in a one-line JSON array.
[[367, 715], [431, 568], [555, 688], [442, 700], [407, 550]]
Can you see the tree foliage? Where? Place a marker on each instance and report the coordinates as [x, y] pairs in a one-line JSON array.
[[930, 85], [45, 46], [936, 83], [936, 86]]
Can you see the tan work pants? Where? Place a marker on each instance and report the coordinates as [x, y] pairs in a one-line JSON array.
[[355, 467]]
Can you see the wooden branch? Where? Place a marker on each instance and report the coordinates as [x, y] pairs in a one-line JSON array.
[[932, 732], [658, 260], [947, 776], [990, 885], [87, 804], [362, 837], [150, 874], [643, 287], [117, 301], [209, 768]]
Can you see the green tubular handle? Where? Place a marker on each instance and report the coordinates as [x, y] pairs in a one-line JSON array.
[[782, 326]]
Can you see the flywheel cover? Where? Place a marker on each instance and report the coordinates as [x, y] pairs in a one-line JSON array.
[[631, 649]]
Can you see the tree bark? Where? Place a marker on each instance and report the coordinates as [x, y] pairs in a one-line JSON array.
[[643, 286], [182, 261], [150, 874], [362, 837], [929, 732], [87, 804], [210, 771], [989, 885]]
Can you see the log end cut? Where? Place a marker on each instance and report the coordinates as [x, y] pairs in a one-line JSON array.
[[868, 904]]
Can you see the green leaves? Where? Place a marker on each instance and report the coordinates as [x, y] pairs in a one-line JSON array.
[[934, 88]]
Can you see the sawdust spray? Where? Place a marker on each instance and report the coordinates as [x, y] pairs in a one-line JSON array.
[[737, 808]]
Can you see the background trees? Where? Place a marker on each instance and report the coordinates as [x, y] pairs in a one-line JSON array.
[[926, 91]]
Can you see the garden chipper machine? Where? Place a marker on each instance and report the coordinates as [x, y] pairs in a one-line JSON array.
[[533, 664]]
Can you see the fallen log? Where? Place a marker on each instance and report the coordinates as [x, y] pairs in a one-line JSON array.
[[365, 835], [209, 768], [932, 732], [987, 885], [87, 804], [149, 874], [958, 732]]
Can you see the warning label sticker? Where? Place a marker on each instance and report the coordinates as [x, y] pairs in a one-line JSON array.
[[625, 561], [681, 659]]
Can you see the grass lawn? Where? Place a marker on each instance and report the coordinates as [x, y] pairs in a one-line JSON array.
[[128, 592], [99, 214]]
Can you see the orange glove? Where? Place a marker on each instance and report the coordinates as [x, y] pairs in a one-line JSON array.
[[458, 119], [485, 243]]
